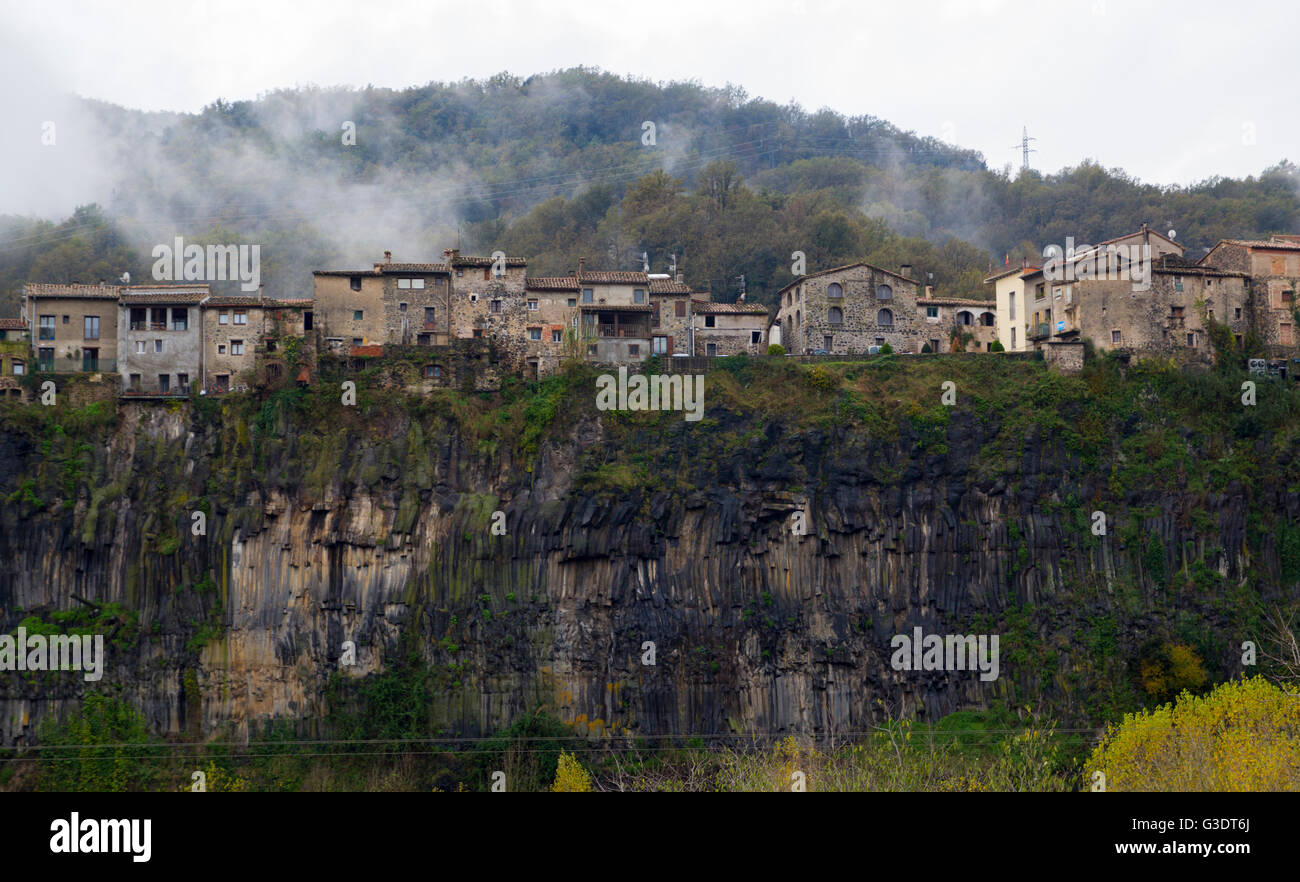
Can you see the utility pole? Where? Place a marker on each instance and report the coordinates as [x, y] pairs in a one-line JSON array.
[[1025, 149]]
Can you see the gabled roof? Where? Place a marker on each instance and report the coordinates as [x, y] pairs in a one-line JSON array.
[[848, 266], [551, 283], [613, 277], [79, 292], [704, 307], [386, 268], [1286, 244], [668, 286], [12, 324], [956, 301], [466, 260], [1005, 272]]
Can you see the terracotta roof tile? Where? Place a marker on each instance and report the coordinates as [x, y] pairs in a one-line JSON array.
[[551, 283], [704, 307], [81, 292], [613, 278], [668, 286], [12, 324]]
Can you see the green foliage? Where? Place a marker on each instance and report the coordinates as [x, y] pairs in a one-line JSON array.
[[105, 746], [775, 349]]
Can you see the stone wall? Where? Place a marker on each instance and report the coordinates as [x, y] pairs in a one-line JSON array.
[[805, 311]]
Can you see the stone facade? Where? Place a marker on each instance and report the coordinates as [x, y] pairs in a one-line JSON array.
[[73, 327], [848, 309], [160, 338], [729, 328], [1273, 268], [395, 303], [939, 318], [246, 342]]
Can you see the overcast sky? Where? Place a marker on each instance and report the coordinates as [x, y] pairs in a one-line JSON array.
[[1170, 92]]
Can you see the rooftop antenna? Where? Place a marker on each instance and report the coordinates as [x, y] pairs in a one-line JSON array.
[[1025, 149], [645, 262]]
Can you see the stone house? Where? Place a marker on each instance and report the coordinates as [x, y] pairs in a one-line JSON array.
[[941, 317], [160, 338], [398, 303], [1273, 268], [846, 310], [729, 328], [1010, 305], [75, 326], [15, 353], [249, 341]]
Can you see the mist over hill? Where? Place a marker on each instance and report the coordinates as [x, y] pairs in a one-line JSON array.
[[573, 163]]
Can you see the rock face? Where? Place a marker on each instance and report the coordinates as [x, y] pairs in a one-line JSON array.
[[755, 627]]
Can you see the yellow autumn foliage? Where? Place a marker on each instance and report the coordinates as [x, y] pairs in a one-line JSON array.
[[570, 776], [1242, 736]]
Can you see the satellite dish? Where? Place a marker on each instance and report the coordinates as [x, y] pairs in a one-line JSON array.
[[126, 278], [1173, 234]]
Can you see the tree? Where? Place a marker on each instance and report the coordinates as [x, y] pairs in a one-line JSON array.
[[570, 776]]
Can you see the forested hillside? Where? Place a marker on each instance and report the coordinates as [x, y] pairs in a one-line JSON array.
[[554, 167]]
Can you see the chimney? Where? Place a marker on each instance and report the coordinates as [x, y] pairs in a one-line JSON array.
[[582, 264], [679, 278], [388, 257], [101, 283], [451, 254], [905, 271]]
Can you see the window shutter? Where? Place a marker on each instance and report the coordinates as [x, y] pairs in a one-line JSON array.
[[670, 345]]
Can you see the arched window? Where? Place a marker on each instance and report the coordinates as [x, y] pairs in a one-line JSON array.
[[963, 318], [885, 317], [884, 292], [835, 316], [834, 290], [798, 319], [986, 319]]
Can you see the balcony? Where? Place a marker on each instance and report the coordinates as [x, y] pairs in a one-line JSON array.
[[1040, 331], [76, 365]]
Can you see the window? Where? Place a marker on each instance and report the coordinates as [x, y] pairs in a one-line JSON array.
[[532, 306], [183, 381], [357, 314], [430, 315], [828, 342], [404, 283], [432, 371], [634, 350], [834, 290], [164, 383], [90, 359], [422, 340], [535, 334], [591, 350], [1013, 308], [401, 307], [679, 308], [459, 273], [92, 327], [354, 282], [180, 319], [934, 345], [1013, 337], [710, 321], [711, 349], [557, 336], [654, 316], [884, 292], [1284, 333], [573, 301], [588, 295], [933, 312], [45, 359], [1040, 292], [1115, 337], [487, 273], [356, 341], [964, 318], [880, 341], [135, 382], [307, 317], [835, 315], [659, 345], [638, 295], [221, 349], [755, 337], [223, 318], [884, 317], [139, 347], [19, 368], [65, 319], [157, 346], [478, 333], [494, 306], [1236, 313], [236, 347], [47, 327], [1191, 340], [1178, 283]]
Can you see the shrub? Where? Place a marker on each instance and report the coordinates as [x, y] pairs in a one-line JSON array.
[[776, 349], [570, 776], [996, 346], [925, 348], [886, 350], [1244, 735]]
